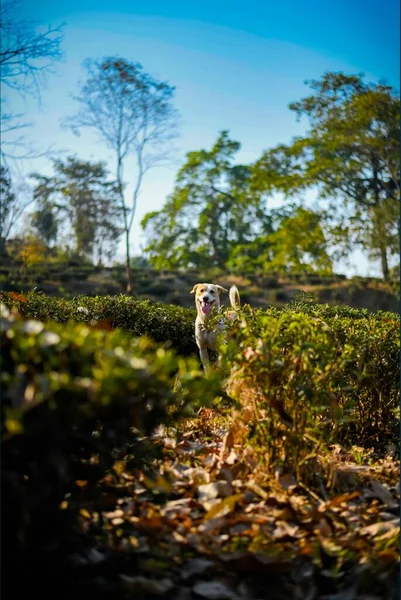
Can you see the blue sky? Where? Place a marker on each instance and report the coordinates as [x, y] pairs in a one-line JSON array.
[[235, 65]]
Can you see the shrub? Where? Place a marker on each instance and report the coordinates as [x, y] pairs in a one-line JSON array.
[[71, 396], [161, 322], [312, 375]]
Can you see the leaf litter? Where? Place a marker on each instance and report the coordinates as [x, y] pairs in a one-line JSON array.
[[212, 524]]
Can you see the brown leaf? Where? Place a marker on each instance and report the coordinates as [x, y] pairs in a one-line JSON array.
[[384, 527], [284, 529], [146, 586], [223, 507], [18, 297], [210, 526], [337, 500], [209, 491], [379, 491], [231, 458], [228, 443], [254, 487], [214, 590], [287, 481], [81, 482], [160, 484], [323, 528]]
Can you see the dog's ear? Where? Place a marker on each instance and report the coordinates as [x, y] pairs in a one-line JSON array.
[[194, 288], [221, 289]]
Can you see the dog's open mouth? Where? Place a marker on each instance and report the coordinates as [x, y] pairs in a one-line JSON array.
[[206, 306]]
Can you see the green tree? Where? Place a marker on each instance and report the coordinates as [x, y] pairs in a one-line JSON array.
[[351, 155], [133, 114], [296, 244], [81, 192], [45, 224], [211, 210]]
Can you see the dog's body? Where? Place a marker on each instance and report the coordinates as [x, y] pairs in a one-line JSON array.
[[207, 302]]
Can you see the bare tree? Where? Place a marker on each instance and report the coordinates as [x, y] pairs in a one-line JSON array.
[[133, 114], [26, 55], [13, 202]]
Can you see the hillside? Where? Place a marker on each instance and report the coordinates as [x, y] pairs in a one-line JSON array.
[[172, 287]]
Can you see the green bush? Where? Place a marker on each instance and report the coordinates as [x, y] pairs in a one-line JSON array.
[[161, 322], [314, 375], [72, 396]]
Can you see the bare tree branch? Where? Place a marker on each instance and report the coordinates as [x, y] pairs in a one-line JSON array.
[[26, 53], [133, 114]]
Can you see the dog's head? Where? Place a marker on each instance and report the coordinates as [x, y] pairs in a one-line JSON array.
[[207, 295]]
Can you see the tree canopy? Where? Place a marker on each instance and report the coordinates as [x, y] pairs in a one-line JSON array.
[[211, 210], [350, 153], [82, 192]]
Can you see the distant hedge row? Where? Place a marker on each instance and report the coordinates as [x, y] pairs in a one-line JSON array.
[[163, 323]]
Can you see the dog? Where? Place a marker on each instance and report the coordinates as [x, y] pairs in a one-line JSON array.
[[207, 302]]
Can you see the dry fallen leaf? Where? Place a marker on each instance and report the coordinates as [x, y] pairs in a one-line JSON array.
[[223, 507], [287, 481], [196, 566], [214, 590], [381, 492], [381, 528], [141, 584]]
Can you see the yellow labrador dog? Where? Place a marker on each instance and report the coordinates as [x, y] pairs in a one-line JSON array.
[[207, 302]]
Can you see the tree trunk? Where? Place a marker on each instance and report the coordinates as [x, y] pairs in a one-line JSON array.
[[384, 263], [128, 270], [382, 245], [128, 265]]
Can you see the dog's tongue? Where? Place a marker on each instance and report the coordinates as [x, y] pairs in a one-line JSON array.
[[205, 308]]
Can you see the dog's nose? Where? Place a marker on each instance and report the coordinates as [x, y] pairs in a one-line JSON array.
[[205, 298]]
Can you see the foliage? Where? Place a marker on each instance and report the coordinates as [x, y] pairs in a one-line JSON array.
[[80, 193], [351, 153], [210, 212], [313, 375], [32, 252], [73, 395], [133, 114], [105, 504], [296, 244], [162, 323]]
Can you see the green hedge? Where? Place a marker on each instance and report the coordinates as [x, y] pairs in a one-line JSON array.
[[163, 323], [73, 396], [316, 375]]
